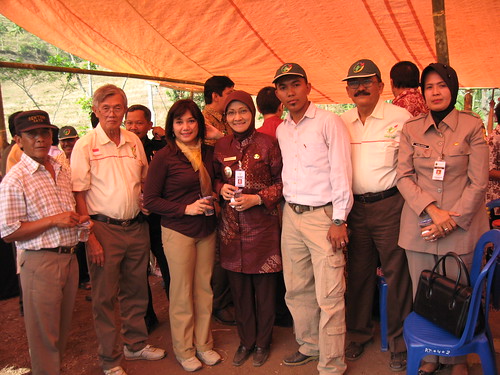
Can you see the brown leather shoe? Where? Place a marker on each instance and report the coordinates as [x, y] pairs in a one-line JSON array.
[[260, 356], [241, 355]]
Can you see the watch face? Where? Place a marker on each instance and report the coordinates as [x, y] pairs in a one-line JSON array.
[[338, 222]]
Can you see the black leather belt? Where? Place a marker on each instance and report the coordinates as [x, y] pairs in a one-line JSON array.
[[301, 208], [110, 220], [375, 197], [59, 249]]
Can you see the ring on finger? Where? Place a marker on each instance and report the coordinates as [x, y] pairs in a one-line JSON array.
[[446, 229]]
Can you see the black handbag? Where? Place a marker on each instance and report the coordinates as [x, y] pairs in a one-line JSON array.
[[444, 301]]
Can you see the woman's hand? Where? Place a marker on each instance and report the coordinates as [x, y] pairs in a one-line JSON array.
[[198, 207], [245, 202], [227, 191], [442, 220]]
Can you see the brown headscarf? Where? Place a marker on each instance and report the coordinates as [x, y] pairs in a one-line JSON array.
[[246, 99]]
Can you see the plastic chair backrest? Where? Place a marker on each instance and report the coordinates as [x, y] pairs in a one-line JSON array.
[[478, 279]]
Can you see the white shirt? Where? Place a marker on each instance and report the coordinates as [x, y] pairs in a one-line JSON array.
[[316, 161], [375, 146], [112, 175]]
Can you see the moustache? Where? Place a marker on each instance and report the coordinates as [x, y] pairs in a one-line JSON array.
[[365, 93]]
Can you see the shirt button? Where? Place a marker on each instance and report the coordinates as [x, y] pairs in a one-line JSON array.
[[440, 143], [440, 190]]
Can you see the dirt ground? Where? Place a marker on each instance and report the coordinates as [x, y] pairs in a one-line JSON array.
[[81, 355]]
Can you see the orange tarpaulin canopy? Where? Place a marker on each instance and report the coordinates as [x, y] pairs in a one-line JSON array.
[[249, 39]]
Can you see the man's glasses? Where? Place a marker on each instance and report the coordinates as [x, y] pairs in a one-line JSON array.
[[355, 83]]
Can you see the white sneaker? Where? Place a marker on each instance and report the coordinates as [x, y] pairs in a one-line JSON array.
[[149, 353], [115, 371], [210, 357], [191, 364]]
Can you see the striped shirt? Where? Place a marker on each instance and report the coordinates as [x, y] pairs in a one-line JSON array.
[[29, 193]]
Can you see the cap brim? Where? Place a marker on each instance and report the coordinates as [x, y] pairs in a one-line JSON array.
[[63, 138], [39, 126], [360, 76], [287, 74]]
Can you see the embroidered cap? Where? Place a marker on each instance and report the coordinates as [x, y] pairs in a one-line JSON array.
[[67, 132], [290, 69], [29, 120], [362, 69]]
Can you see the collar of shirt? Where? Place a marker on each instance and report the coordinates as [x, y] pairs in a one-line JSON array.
[[103, 138], [310, 113], [410, 91], [33, 166], [450, 121], [211, 112]]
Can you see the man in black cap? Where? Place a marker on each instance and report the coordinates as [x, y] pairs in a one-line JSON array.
[[316, 176], [37, 211], [375, 128]]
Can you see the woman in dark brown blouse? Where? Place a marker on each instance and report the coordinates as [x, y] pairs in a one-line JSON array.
[[180, 174], [249, 231]]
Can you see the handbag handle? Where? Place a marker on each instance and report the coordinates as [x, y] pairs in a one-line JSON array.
[[461, 265]]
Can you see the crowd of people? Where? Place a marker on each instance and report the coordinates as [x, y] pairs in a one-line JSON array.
[[253, 227]]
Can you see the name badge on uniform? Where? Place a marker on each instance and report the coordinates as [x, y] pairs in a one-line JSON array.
[[438, 171], [239, 176]]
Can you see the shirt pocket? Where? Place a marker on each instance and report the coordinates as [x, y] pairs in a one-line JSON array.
[[314, 154]]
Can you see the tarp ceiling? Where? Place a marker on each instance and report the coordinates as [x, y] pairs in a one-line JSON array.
[[249, 39]]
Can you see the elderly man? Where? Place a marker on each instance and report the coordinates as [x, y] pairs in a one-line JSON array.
[[108, 169], [375, 127], [317, 189], [37, 211]]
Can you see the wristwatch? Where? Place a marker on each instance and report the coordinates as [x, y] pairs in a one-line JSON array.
[[338, 222]]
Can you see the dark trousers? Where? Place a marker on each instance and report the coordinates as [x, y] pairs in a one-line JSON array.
[[254, 303], [374, 235]]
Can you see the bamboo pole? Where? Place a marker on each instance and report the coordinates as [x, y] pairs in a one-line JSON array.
[[3, 132], [489, 126], [171, 81], [439, 17]]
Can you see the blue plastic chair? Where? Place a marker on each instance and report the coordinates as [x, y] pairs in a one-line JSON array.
[[425, 338]]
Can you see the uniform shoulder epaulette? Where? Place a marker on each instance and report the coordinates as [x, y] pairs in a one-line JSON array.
[[468, 113], [416, 118]]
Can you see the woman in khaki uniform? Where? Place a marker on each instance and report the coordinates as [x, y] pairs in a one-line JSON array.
[[443, 175]]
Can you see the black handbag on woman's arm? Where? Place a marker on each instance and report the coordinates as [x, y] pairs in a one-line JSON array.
[[444, 301]]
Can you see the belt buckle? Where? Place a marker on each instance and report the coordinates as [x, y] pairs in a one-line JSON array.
[[297, 208], [125, 223]]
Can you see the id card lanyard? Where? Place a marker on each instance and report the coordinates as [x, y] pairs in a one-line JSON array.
[[239, 176], [439, 165]]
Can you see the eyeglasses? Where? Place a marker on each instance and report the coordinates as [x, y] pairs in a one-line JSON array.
[[106, 110], [241, 112], [355, 83]]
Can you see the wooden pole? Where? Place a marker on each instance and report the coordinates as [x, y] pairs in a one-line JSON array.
[[439, 17], [489, 126], [3, 132], [172, 82]]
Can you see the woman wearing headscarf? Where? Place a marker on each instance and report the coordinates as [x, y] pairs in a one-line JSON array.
[[442, 174], [179, 176], [249, 230]]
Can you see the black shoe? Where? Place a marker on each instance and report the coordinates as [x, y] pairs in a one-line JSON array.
[[225, 317], [398, 361], [298, 359], [260, 356], [241, 355], [354, 350]]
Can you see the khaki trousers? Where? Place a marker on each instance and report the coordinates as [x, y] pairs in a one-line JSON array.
[[190, 261], [315, 286], [50, 282], [123, 279]]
